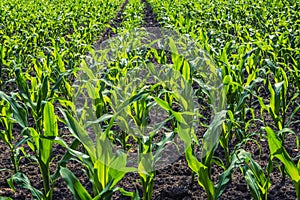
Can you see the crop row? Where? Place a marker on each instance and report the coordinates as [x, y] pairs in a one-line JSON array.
[[256, 44], [49, 35]]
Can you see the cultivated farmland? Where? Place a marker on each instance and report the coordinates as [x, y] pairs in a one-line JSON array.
[[148, 99]]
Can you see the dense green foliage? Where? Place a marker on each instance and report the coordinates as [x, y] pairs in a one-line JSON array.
[[50, 34], [45, 51]]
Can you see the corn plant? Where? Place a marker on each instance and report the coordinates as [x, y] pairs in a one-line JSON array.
[[185, 118], [12, 112], [104, 168], [278, 97], [37, 102], [258, 182], [91, 127], [279, 104], [146, 158], [6, 135], [203, 167], [41, 144], [132, 101]]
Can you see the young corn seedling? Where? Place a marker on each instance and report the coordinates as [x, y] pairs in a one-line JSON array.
[[149, 154], [238, 89], [41, 144], [185, 129], [132, 99], [37, 98], [255, 177], [237, 120], [6, 134], [12, 112], [278, 100], [139, 109], [278, 104], [104, 167], [204, 175]]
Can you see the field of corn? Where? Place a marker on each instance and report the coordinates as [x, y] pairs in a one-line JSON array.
[[89, 111]]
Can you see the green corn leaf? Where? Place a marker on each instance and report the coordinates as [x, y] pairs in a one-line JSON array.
[[35, 137], [107, 192], [167, 137], [20, 114], [67, 156], [272, 101], [78, 191], [186, 71], [87, 70], [250, 78], [163, 104], [166, 107], [22, 85], [278, 151], [50, 129], [80, 133], [202, 172], [22, 181], [225, 177], [258, 183], [211, 137], [43, 92], [250, 179], [146, 165], [92, 90], [225, 50], [127, 194]]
